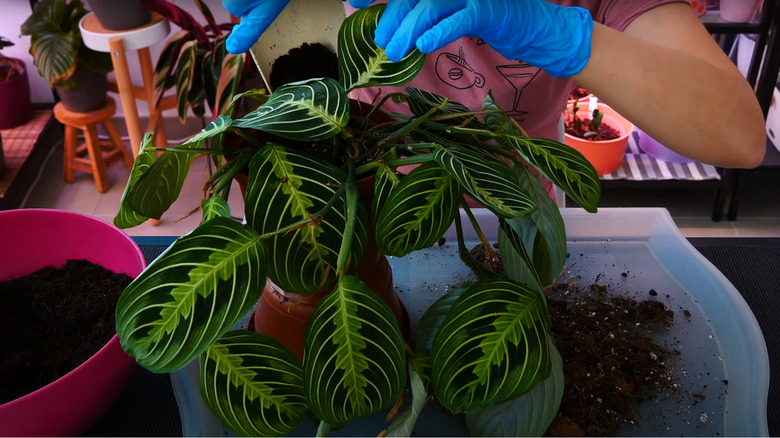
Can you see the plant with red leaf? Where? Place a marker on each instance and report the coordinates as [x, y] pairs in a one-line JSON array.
[[195, 61]]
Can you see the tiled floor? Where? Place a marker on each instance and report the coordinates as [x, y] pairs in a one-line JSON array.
[[759, 215]]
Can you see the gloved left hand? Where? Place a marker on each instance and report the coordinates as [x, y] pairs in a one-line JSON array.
[[256, 16], [552, 37]]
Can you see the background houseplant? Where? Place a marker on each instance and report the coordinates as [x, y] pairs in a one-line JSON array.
[[195, 61], [77, 72], [581, 133], [303, 212], [15, 105]]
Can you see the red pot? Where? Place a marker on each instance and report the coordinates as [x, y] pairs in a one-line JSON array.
[[15, 105]]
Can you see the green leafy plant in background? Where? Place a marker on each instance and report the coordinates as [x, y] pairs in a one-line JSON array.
[[56, 44], [194, 61], [484, 350]]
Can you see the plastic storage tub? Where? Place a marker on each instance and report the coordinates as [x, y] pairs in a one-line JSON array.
[[721, 341]]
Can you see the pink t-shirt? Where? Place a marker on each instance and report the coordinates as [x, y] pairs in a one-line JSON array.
[[467, 69]]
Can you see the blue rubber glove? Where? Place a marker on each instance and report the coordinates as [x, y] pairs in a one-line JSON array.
[[554, 38], [256, 16]]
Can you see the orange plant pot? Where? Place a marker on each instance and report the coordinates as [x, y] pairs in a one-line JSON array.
[[284, 315], [606, 156]]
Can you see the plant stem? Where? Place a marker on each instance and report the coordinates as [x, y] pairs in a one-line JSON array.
[[349, 228], [323, 429], [478, 230]]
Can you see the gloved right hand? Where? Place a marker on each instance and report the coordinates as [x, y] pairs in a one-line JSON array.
[[256, 16]]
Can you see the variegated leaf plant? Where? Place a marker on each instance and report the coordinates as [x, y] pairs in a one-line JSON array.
[[195, 61], [483, 350]]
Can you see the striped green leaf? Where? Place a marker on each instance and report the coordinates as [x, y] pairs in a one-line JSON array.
[[421, 101], [386, 180], [491, 182], [127, 217], [54, 56], [185, 72], [163, 76], [542, 235], [227, 83], [253, 384], [418, 211], [492, 346], [192, 294], [158, 187], [288, 188], [528, 415], [561, 164], [216, 206], [217, 126], [362, 63], [355, 360], [316, 109]]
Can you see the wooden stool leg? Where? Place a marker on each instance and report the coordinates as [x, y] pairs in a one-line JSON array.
[[116, 140], [69, 153], [96, 158]]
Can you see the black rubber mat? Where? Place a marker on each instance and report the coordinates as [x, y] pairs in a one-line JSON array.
[[753, 267]]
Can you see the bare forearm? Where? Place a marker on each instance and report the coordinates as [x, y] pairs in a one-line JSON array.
[[700, 109]]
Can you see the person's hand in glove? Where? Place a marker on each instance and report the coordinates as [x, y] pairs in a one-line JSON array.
[[551, 37], [256, 16]]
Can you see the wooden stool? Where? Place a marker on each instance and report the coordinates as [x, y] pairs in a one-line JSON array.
[[95, 155]]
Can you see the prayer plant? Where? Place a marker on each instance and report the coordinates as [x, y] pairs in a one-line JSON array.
[[478, 347]]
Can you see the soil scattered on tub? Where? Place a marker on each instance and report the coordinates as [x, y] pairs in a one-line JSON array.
[[52, 321], [610, 361]]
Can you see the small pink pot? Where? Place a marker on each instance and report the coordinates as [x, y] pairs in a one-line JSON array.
[[31, 239]]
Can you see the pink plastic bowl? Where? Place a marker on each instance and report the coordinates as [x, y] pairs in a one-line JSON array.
[[31, 239]]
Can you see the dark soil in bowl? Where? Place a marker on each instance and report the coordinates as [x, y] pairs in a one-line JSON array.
[[52, 321]]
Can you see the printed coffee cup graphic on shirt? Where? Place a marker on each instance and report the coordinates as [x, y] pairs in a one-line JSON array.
[[454, 71]]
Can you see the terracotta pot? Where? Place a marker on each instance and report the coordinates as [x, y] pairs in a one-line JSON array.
[[739, 11], [606, 156], [15, 105], [283, 315], [120, 14]]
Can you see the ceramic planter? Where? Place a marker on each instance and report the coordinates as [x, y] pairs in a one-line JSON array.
[[15, 105], [91, 93], [606, 156], [739, 11], [120, 15], [31, 239]]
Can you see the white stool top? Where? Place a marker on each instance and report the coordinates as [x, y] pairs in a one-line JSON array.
[[96, 36]]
